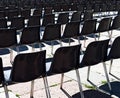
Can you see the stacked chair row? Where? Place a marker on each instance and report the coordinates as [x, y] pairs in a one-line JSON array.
[[30, 66]]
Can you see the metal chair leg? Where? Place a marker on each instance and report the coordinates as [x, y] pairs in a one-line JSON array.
[[111, 69], [79, 83], [106, 74], [62, 77], [46, 87], [32, 89], [88, 74], [6, 91]]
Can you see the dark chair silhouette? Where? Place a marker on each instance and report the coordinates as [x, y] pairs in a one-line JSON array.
[[12, 14], [2, 79], [48, 10], [89, 28], [3, 23], [8, 40], [29, 36], [114, 54], [71, 31], [63, 18], [52, 32], [87, 15], [115, 24], [2, 14], [28, 67], [48, 19], [37, 12], [76, 16], [66, 59], [96, 52], [104, 25], [18, 23], [25, 13], [34, 21]]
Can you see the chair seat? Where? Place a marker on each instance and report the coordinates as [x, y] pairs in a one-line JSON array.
[[92, 94]]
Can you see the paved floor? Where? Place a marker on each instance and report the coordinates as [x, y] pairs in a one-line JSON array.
[[22, 90]]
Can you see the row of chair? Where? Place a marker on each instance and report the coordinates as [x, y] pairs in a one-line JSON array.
[[29, 66], [32, 35]]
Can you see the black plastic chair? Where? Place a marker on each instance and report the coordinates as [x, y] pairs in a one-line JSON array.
[[37, 12], [89, 28], [115, 24], [3, 23], [96, 52], [12, 14], [104, 25], [18, 23], [87, 15], [48, 19], [72, 30], [66, 59], [28, 67], [2, 14], [63, 18], [76, 16], [25, 13], [8, 40], [114, 54], [34, 21], [52, 32], [29, 36], [2, 79]]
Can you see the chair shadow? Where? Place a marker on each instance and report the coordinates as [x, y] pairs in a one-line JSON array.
[[4, 51], [91, 94], [115, 88], [67, 40], [54, 42], [37, 46], [21, 48]]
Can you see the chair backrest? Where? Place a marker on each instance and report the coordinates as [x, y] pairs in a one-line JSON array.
[[48, 10], [34, 21], [89, 27], [88, 14], [12, 14], [52, 32], [30, 35], [114, 51], [3, 23], [96, 52], [48, 19], [8, 38], [71, 29], [25, 13], [65, 59], [76, 16], [18, 23], [63, 18], [104, 24], [37, 12], [28, 66], [1, 72], [2, 14], [115, 23]]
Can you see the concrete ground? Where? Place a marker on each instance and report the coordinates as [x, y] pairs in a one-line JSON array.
[[22, 90]]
